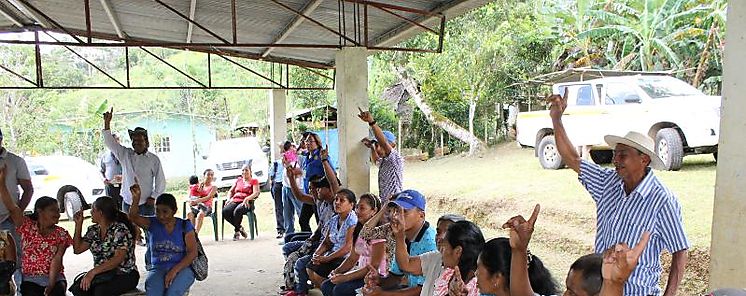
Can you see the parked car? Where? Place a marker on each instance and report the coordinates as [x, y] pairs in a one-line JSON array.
[[678, 117], [64, 177], [227, 157]]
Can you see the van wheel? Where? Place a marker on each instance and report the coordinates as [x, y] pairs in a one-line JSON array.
[[670, 148], [602, 156], [549, 156]]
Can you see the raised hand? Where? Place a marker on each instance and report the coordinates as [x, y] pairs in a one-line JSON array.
[[135, 190], [365, 115], [398, 224], [521, 230], [456, 286], [367, 142], [557, 104], [620, 261], [324, 153], [372, 278], [108, 115], [78, 217]]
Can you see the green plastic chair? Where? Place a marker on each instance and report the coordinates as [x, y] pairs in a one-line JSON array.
[[214, 215], [253, 224]]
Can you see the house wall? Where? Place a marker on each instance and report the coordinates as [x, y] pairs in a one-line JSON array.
[[181, 160]]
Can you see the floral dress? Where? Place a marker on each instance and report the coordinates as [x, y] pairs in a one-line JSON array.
[[442, 283], [118, 237], [38, 250]]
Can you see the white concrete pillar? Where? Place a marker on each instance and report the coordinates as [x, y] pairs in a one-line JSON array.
[[729, 213], [278, 127], [352, 93]]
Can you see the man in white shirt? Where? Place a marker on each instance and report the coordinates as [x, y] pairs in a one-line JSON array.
[[138, 166], [17, 174]]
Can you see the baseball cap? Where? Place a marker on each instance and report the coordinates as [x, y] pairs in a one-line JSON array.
[[390, 137], [409, 199]]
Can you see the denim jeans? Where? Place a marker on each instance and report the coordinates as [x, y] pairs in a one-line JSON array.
[[301, 285], [17, 276], [155, 282], [291, 247], [290, 207], [146, 210], [343, 289]]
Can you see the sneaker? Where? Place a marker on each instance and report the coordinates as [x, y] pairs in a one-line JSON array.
[[280, 235], [243, 232], [236, 236]]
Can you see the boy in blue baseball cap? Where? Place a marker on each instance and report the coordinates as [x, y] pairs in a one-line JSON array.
[[384, 154]]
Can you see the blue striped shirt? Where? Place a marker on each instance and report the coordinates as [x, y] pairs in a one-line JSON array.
[[623, 218]]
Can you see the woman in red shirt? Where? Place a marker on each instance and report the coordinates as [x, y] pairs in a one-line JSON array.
[[43, 244], [201, 199], [241, 200]]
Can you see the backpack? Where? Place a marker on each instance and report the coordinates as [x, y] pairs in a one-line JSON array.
[[199, 265]]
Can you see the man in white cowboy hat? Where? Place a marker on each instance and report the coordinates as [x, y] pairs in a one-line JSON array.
[[630, 200]]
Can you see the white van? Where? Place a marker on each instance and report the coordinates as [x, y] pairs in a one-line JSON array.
[[227, 157]]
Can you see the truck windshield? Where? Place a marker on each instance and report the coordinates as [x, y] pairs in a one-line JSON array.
[[664, 86]]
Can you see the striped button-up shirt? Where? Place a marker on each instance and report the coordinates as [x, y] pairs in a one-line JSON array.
[[623, 218]]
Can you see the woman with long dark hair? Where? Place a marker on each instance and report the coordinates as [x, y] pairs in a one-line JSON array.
[[43, 244], [111, 242], [172, 244], [494, 270]]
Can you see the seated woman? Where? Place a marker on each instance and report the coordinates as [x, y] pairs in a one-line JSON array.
[[494, 271], [241, 200], [333, 249], [172, 245], [201, 199], [344, 280], [111, 242], [43, 244], [450, 270]]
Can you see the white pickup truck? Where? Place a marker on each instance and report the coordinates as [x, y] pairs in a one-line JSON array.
[[681, 119]]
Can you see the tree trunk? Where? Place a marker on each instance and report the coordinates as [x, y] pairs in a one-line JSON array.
[[475, 144], [702, 66], [472, 112]]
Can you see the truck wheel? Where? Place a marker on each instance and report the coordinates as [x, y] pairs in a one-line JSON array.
[[715, 155], [602, 156], [670, 148], [549, 156]]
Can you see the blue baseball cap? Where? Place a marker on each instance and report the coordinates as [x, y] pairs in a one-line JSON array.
[[389, 136], [409, 199]]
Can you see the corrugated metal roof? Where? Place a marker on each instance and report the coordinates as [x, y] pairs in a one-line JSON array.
[[257, 22]]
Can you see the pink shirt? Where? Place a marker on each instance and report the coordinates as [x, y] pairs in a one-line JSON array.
[[365, 250], [243, 189], [441, 284]]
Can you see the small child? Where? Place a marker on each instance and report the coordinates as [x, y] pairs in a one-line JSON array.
[[7, 262]]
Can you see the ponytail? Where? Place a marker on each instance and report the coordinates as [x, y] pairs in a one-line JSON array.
[[111, 213]]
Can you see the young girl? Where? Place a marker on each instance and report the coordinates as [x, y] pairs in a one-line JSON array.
[[333, 249], [344, 280], [43, 244], [201, 204]]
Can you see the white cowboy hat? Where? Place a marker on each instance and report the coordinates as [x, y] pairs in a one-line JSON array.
[[640, 142]]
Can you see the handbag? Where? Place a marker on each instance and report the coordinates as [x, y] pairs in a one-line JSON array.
[[100, 278], [199, 265]]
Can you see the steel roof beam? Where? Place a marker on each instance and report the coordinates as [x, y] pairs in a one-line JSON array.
[[307, 10], [23, 9], [113, 18], [10, 15], [190, 26], [316, 22]]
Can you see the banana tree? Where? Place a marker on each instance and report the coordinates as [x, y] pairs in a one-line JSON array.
[[645, 31]]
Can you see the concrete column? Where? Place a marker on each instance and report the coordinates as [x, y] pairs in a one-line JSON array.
[[352, 93], [278, 127], [729, 213]]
